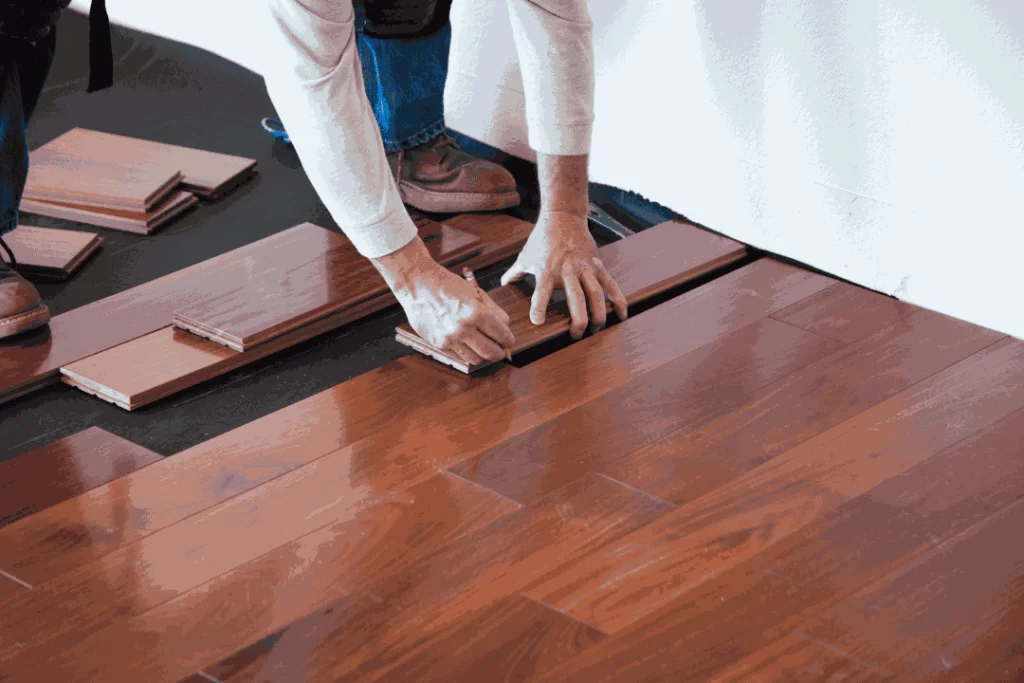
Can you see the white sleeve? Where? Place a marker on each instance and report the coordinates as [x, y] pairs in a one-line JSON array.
[[314, 79], [554, 40]]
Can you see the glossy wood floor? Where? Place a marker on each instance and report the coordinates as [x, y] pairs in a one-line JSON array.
[[772, 477]]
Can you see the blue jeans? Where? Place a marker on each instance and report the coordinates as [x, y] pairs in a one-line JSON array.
[[23, 69], [404, 79]]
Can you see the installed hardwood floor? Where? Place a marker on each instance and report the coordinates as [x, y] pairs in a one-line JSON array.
[[838, 499]]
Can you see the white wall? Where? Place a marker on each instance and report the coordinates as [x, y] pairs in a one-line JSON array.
[[880, 140]]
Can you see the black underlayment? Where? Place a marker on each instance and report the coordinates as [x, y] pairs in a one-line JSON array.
[[178, 94]]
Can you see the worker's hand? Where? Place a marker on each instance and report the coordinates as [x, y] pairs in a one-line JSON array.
[[561, 253], [447, 311]]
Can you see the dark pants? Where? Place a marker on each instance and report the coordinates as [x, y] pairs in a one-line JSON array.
[[23, 70]]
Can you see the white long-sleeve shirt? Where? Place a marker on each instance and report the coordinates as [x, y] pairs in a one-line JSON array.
[[314, 79]]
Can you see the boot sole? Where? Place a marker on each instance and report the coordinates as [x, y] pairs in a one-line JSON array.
[[452, 202], [23, 322]]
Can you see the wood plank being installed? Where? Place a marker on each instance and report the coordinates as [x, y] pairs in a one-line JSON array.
[[34, 360], [501, 237], [50, 253], [87, 182], [207, 174], [643, 264], [127, 221], [271, 300]]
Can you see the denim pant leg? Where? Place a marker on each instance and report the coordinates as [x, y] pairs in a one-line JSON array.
[[23, 70], [404, 79]]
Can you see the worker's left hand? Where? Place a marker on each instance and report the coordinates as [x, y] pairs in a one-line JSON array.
[[561, 253]]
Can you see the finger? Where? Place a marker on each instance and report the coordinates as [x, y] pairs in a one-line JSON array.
[[467, 354], [595, 297], [612, 289], [483, 347], [513, 274], [496, 329], [577, 304], [541, 299], [497, 310]]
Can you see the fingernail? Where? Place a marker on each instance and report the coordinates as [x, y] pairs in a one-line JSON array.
[[594, 329]]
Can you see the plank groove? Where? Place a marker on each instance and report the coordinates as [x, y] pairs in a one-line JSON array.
[[845, 313], [643, 265]]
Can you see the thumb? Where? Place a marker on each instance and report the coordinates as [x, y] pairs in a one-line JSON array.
[[513, 274]]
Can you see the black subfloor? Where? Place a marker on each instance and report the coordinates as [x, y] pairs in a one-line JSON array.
[[178, 94]]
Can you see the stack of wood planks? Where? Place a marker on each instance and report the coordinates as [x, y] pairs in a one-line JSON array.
[[125, 183], [772, 477]]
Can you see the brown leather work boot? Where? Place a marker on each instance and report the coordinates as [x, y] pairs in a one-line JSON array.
[[440, 178], [21, 307]]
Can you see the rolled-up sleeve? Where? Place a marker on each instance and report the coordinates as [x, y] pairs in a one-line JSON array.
[[554, 40], [314, 79]]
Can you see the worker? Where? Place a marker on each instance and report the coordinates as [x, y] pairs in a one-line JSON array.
[[315, 82], [404, 60], [28, 39]]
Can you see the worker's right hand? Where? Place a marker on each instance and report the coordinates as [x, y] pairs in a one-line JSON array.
[[447, 311]]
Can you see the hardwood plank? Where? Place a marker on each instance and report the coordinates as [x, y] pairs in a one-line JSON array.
[[739, 611], [209, 173], [434, 429], [332, 535], [34, 360], [66, 468], [514, 637], [501, 236], [846, 313], [98, 522], [393, 616], [681, 395], [84, 181], [141, 223], [950, 601], [799, 658], [690, 463], [265, 303], [49, 253], [644, 264], [621, 584]]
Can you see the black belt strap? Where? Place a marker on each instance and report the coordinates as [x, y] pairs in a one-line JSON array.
[[101, 52]]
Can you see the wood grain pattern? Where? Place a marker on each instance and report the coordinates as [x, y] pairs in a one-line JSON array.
[[35, 360], [799, 658], [677, 398], [846, 313], [143, 223], [66, 468], [400, 621], [501, 236], [268, 301], [68, 535], [720, 530], [343, 533], [437, 434], [738, 612], [49, 253], [644, 264], [206, 173], [690, 463], [84, 181]]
